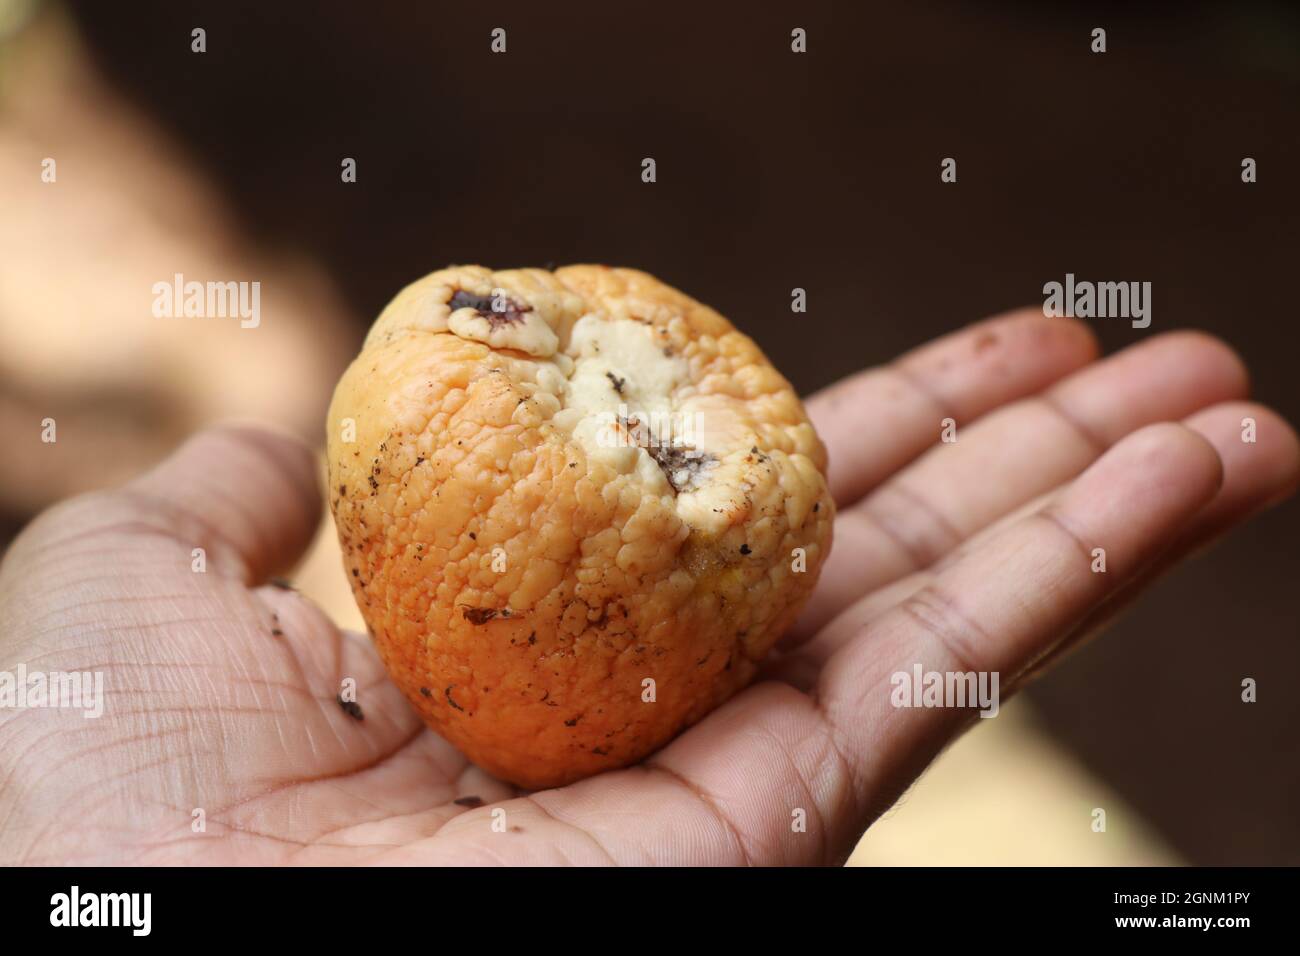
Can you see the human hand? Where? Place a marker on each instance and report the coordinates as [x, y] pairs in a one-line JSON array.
[[221, 689]]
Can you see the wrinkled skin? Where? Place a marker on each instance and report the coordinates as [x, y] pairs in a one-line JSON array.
[[973, 555]]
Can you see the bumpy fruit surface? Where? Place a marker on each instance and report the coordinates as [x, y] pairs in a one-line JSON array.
[[577, 508]]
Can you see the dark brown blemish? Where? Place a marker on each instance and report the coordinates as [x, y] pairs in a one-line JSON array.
[[986, 341], [470, 801], [451, 700], [479, 615], [425, 692], [351, 708], [673, 461], [617, 382], [745, 549], [482, 304]]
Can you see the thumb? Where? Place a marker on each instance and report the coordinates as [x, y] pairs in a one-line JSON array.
[[246, 495]]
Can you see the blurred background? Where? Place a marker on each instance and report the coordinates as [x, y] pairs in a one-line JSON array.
[[774, 171]]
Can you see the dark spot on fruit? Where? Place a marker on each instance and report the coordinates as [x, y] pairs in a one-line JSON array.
[[479, 615], [573, 721], [451, 700], [600, 751], [471, 801], [681, 466], [351, 708], [985, 341], [617, 382], [425, 692], [532, 638], [343, 489], [744, 549], [483, 305], [473, 536], [817, 506]]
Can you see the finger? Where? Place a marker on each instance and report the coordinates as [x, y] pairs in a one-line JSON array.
[[1258, 474], [248, 496], [1011, 456], [875, 422], [1007, 604]]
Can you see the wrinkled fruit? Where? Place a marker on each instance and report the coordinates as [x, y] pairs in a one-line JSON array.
[[577, 508]]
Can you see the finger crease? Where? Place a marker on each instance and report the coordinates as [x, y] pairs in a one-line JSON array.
[[709, 803], [918, 384], [1052, 516], [1096, 444], [940, 617]]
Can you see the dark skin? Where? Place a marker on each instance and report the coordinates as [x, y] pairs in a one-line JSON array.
[[975, 555]]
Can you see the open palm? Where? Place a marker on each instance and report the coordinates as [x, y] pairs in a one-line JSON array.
[[223, 739]]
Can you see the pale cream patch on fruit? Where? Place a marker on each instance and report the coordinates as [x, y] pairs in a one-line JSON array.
[[619, 400], [632, 407], [528, 333]]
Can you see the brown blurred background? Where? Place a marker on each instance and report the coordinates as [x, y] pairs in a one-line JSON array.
[[774, 171]]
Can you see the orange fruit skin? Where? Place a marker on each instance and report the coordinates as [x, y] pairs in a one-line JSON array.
[[547, 612]]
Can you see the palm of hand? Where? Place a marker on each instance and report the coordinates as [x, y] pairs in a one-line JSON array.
[[224, 739]]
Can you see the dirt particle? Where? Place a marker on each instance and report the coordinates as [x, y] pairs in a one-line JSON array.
[[351, 708], [617, 382], [683, 467], [451, 700], [425, 692], [479, 615], [483, 304], [745, 549], [470, 801]]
